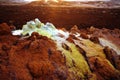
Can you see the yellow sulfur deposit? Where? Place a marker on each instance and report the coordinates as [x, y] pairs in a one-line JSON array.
[[92, 49], [75, 62]]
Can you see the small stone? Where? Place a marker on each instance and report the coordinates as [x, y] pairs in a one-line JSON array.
[[94, 39], [83, 35]]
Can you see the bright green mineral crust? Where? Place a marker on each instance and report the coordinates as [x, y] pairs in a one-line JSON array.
[[37, 26], [76, 64]]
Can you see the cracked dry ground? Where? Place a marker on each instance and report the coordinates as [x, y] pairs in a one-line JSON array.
[[37, 57]]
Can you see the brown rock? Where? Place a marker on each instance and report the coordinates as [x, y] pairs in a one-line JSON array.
[[103, 69], [4, 29], [94, 39], [112, 57], [84, 35], [40, 69]]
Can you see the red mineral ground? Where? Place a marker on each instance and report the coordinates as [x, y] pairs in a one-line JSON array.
[[38, 57], [78, 40]]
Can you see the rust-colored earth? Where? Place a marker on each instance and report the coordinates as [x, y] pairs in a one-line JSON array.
[[37, 57]]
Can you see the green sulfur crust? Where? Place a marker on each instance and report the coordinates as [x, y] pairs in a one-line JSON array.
[[37, 26]]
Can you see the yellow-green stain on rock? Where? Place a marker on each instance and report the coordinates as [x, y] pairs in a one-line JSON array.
[[91, 48], [75, 62]]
